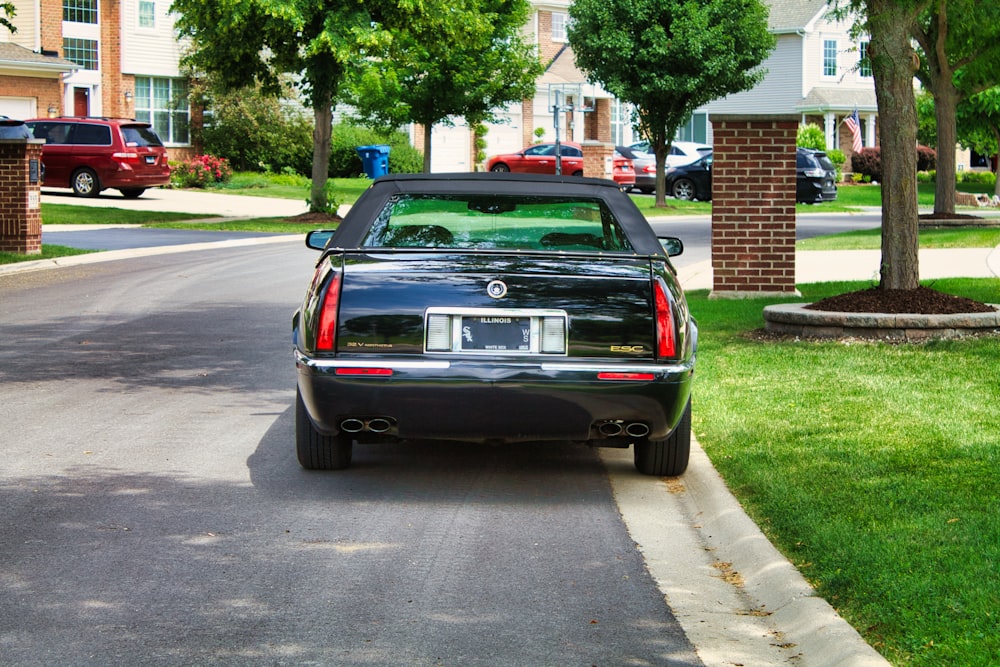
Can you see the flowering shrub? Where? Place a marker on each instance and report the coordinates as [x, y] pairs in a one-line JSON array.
[[200, 171]]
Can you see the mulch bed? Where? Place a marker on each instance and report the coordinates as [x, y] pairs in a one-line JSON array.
[[314, 217], [922, 300]]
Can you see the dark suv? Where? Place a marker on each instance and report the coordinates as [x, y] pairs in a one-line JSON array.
[[91, 154], [815, 177]]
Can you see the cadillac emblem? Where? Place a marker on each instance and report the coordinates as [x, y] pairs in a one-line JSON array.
[[497, 289]]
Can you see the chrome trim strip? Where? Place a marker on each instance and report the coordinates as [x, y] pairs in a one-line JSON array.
[[374, 363], [613, 368]]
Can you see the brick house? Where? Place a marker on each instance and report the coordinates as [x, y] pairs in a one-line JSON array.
[[117, 58], [814, 73]]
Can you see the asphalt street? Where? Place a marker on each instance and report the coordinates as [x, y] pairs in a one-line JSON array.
[[133, 463]]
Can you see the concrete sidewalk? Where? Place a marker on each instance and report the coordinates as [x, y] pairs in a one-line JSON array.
[[820, 266]]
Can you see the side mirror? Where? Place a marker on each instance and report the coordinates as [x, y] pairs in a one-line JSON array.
[[318, 238], [672, 245]]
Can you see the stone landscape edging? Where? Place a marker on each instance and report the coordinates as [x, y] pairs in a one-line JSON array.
[[795, 319]]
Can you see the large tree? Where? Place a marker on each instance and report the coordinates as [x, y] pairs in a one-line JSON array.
[[467, 59], [890, 25], [959, 58], [669, 57], [241, 42]]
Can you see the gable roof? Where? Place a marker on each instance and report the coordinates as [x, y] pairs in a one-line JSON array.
[[15, 56], [794, 15]]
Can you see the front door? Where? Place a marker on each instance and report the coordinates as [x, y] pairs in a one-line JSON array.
[[81, 101]]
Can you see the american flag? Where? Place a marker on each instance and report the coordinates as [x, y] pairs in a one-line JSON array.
[[853, 124]]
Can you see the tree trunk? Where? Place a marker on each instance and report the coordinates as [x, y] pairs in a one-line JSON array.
[[322, 134], [893, 65], [427, 148], [945, 105]]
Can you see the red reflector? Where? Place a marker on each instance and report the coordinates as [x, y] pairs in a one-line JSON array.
[[643, 377], [364, 371], [666, 345]]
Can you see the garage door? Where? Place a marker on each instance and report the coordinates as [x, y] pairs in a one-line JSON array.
[[450, 148], [18, 107]]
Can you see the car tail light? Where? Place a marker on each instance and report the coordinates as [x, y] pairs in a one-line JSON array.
[[666, 334], [126, 158], [649, 169], [326, 334], [814, 173]]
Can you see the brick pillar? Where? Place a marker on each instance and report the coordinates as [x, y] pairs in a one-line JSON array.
[[598, 159], [527, 122], [753, 206], [20, 196]]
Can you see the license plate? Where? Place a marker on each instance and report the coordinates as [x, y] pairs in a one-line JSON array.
[[150, 159], [495, 331], [496, 334]]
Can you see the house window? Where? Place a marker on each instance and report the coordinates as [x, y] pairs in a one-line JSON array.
[[619, 120], [696, 129], [164, 103], [559, 26], [80, 11], [829, 57], [81, 51], [147, 14], [864, 64]]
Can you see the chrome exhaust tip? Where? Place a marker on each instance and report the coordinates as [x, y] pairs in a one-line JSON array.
[[378, 425], [610, 429], [352, 425], [637, 429]]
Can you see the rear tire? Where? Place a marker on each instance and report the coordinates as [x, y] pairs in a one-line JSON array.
[[85, 183], [315, 450], [666, 458], [683, 189], [132, 193]]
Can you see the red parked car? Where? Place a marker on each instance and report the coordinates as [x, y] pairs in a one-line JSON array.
[[541, 159], [90, 154]]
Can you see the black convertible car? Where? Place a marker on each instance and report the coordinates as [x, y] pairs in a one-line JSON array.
[[493, 308]]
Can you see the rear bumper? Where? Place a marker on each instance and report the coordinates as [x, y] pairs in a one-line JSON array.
[[493, 401]]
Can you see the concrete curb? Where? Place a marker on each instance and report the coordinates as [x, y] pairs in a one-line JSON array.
[[695, 538]]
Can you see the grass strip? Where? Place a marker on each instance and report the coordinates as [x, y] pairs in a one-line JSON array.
[[873, 467], [871, 239], [71, 214], [48, 252]]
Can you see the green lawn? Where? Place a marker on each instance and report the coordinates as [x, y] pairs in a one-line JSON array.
[[873, 467]]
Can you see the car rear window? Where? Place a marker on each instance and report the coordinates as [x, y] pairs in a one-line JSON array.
[[90, 135], [140, 135], [497, 222]]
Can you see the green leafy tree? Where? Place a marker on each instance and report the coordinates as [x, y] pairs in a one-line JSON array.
[[669, 57], [8, 9], [959, 58], [465, 59], [243, 42], [979, 124]]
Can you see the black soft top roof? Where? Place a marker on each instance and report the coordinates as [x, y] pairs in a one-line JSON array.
[[356, 224]]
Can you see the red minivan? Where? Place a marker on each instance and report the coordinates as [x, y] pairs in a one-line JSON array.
[[91, 154]]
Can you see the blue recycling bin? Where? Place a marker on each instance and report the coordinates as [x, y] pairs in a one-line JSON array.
[[375, 160]]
